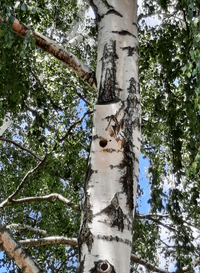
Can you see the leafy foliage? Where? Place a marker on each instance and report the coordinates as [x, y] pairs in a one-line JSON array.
[[46, 102]]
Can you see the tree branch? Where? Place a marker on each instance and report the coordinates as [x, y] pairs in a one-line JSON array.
[[146, 216], [150, 217], [73, 242], [160, 215], [28, 228], [52, 240], [17, 252], [146, 264], [21, 147], [49, 198], [48, 45], [73, 125], [55, 107], [28, 174]]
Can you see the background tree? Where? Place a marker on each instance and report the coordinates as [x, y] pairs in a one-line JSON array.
[[44, 152]]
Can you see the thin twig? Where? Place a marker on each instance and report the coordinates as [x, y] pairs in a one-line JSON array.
[[21, 147], [28, 174], [73, 125], [28, 228], [148, 217]]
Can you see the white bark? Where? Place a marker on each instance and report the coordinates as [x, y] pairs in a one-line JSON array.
[[52, 240], [6, 124], [112, 175], [75, 36]]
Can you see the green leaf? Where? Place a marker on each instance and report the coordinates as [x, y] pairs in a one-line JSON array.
[[24, 7], [11, 19], [2, 33]]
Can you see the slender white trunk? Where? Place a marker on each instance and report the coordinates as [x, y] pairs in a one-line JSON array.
[[105, 239]]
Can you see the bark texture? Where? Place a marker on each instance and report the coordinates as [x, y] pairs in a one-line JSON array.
[[112, 175], [17, 253]]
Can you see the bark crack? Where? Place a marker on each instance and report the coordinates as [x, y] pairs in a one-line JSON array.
[[112, 11], [124, 33], [131, 50]]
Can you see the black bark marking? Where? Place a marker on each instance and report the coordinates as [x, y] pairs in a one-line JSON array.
[[109, 150], [107, 90], [80, 269], [127, 178], [102, 266], [131, 110], [95, 137], [115, 212], [136, 124], [108, 5], [88, 175], [118, 219], [85, 235], [112, 11], [111, 238], [131, 50], [114, 129], [124, 32]]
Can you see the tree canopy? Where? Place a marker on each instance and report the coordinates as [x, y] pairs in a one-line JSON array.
[[43, 154]]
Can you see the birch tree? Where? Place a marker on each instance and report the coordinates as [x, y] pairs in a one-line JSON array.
[[69, 185]]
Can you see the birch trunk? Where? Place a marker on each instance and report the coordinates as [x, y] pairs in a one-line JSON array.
[[105, 239]]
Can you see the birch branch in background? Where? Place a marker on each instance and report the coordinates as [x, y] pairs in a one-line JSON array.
[[73, 242], [52, 240], [17, 253], [75, 35], [73, 125], [6, 123], [147, 265], [48, 197], [27, 228], [21, 147], [48, 45]]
